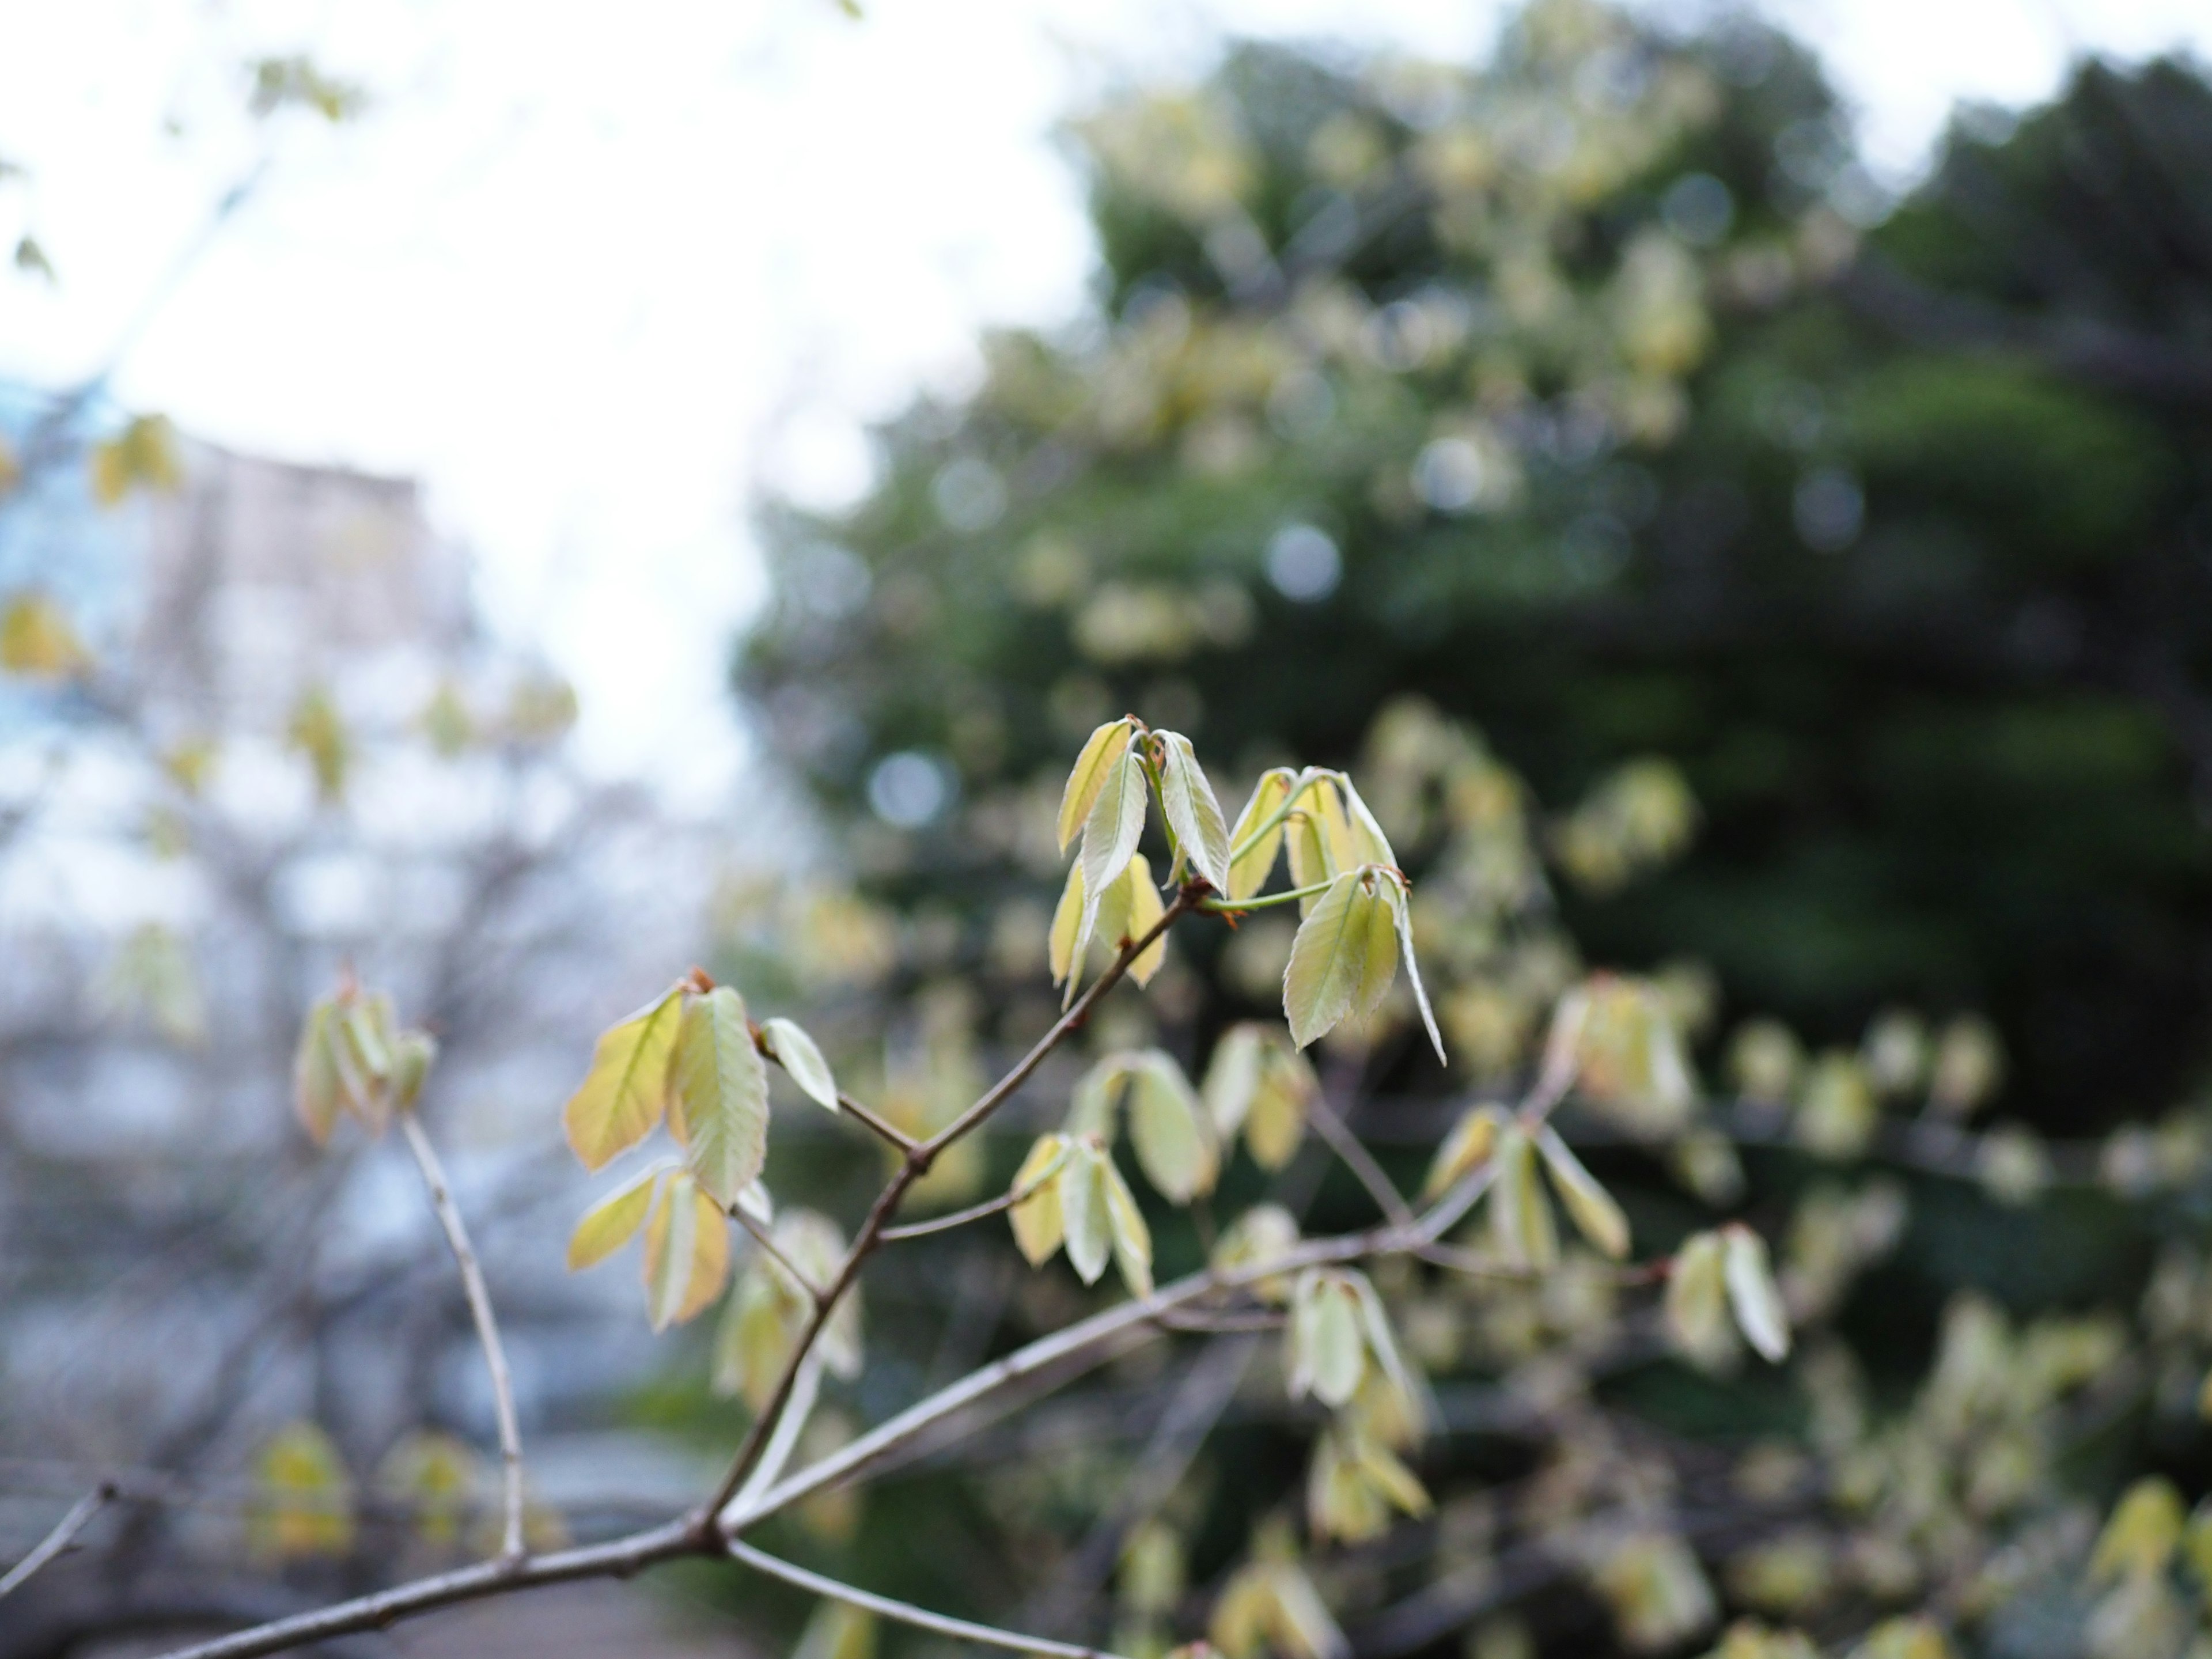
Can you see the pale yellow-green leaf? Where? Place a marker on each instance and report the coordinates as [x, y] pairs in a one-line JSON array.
[[801, 1059], [1153, 1569], [1301, 1626], [1132, 1239], [1275, 1127], [608, 1225], [315, 1084], [1232, 1077], [1464, 1151], [1194, 815], [436, 1478], [1393, 1478], [815, 1244], [687, 1252], [2142, 1535], [1101, 751], [1088, 1229], [1696, 1303], [1250, 868], [1329, 1349], [626, 1092], [1753, 1294], [1244, 1614], [1110, 832], [38, 641], [1382, 1346], [1263, 1234], [1130, 909], [1307, 839], [1174, 1145], [720, 1095], [1331, 968], [1066, 926], [1520, 1215], [1094, 1106], [1595, 1214], [302, 1498], [1364, 841], [1036, 1221], [1402, 921]]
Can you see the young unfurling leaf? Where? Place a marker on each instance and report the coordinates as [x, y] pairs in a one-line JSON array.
[[1520, 1215], [1232, 1077], [1111, 831], [1131, 911], [1328, 1345], [1751, 1293], [626, 1092], [1598, 1217], [1193, 813], [1036, 1219], [1465, 1150], [610, 1223], [1101, 751], [801, 1059], [1318, 836], [1258, 1083], [1255, 849], [1343, 959], [719, 1106], [1410, 1389], [1365, 839], [1355, 1488]]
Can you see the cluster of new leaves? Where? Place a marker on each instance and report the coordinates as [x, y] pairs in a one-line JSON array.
[[353, 1059], [691, 1062]]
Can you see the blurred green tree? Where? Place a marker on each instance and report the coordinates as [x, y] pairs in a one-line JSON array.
[[1570, 395]]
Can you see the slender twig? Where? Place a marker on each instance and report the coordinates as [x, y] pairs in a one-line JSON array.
[[1227, 1322], [62, 1535], [1357, 1160], [989, 1206], [918, 1163], [905, 1612], [785, 1440], [891, 1133], [1239, 907], [479, 1301]]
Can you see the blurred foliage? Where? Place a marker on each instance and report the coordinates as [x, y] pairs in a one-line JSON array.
[[1567, 394], [1715, 570]]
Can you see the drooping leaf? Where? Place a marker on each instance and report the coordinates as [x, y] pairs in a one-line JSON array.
[[1275, 1127], [1263, 1234], [1335, 964], [1249, 870], [609, 1224], [315, 1084], [802, 1058], [721, 1094], [1402, 921], [1066, 926], [1132, 1239], [1306, 838], [1696, 1303], [1232, 1077], [1464, 1151], [1520, 1215], [1130, 908], [1596, 1213], [626, 1092], [1187, 800], [1329, 1349], [1036, 1219], [1173, 1144], [2139, 1539], [1753, 1294], [1088, 1228], [1102, 750], [1111, 833], [1301, 1626], [1365, 841], [815, 1245], [1382, 1346], [671, 1232]]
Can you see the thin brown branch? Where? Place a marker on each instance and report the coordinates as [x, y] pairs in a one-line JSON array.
[[905, 1612], [891, 1133], [63, 1534], [495, 1353], [919, 1159], [989, 1206]]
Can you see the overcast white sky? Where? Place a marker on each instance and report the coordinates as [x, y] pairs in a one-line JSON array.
[[592, 274]]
